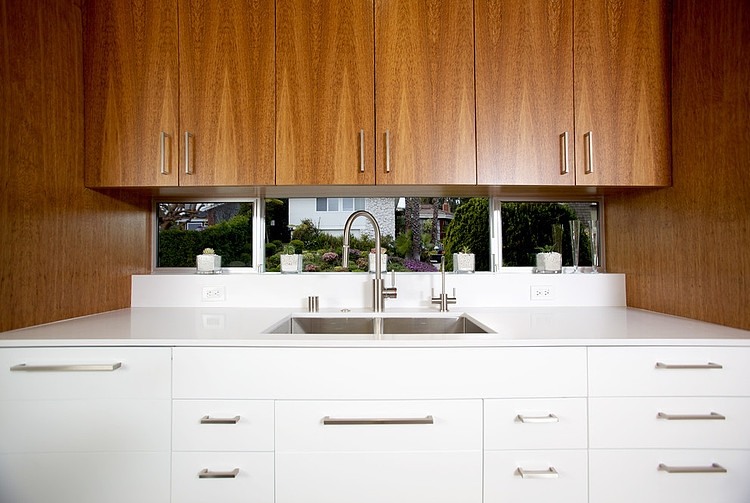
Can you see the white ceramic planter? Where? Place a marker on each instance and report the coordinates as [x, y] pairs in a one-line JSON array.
[[208, 264], [383, 262], [291, 264], [548, 262], [463, 262]]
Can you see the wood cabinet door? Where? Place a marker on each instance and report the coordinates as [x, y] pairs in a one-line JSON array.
[[524, 86], [622, 92], [325, 102], [131, 94], [424, 90], [226, 92]]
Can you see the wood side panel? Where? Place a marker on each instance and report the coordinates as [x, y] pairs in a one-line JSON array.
[[130, 79], [68, 251], [622, 91], [424, 78], [227, 91], [685, 249], [524, 85], [325, 92]]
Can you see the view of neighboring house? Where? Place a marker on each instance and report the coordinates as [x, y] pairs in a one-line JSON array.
[[329, 214]]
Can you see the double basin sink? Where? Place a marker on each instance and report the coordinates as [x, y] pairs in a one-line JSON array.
[[379, 324]]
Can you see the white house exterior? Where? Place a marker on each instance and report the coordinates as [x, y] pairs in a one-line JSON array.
[[329, 214]]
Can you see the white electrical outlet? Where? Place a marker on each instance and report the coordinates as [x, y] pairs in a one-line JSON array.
[[213, 293], [542, 292]]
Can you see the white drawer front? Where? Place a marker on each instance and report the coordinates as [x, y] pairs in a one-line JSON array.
[[667, 422], [432, 425], [559, 475], [633, 475], [378, 477], [84, 425], [378, 373], [123, 477], [222, 425], [55, 373], [524, 423], [636, 371], [253, 481]]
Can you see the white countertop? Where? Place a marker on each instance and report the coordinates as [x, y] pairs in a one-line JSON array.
[[511, 326]]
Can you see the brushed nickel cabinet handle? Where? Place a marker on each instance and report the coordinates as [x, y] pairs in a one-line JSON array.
[[549, 418], [387, 151], [220, 420], [588, 138], [361, 150], [188, 169], [206, 474], [681, 366], [690, 417], [333, 421], [549, 473], [76, 367], [564, 153], [714, 468], [163, 152]]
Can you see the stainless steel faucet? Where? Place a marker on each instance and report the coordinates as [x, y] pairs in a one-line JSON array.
[[443, 299], [379, 292]]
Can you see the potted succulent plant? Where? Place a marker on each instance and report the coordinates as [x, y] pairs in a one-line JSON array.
[[549, 258], [208, 262], [291, 262], [383, 259], [463, 261]]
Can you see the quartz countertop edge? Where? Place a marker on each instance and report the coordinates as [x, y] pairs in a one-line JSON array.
[[247, 327]]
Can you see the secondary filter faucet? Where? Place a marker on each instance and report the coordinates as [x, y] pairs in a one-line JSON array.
[[443, 299], [379, 292]]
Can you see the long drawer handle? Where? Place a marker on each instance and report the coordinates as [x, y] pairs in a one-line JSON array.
[[334, 421], [82, 367], [205, 474], [549, 418], [680, 417], [714, 468], [549, 473], [220, 420], [678, 366]]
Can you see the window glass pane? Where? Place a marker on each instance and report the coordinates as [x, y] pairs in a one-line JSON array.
[[321, 204], [359, 203], [347, 204], [185, 229], [333, 204]]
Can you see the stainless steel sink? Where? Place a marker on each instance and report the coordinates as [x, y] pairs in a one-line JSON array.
[[459, 324]]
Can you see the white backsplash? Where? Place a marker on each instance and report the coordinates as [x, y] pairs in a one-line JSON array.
[[353, 290]]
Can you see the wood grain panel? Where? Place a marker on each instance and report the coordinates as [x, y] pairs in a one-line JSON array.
[[67, 251], [424, 87], [524, 85], [685, 249], [227, 91], [622, 92], [130, 54], [325, 72]]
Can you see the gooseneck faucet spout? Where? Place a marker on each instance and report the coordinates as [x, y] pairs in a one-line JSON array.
[[379, 292]]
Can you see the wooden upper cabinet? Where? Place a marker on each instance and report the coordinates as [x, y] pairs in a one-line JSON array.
[[524, 72], [131, 93], [227, 110], [325, 104], [622, 92], [424, 77]]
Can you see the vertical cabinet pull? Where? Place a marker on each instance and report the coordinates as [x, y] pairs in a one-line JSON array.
[[76, 367], [549, 418], [691, 417], [387, 151], [588, 139], [188, 169], [549, 473], [163, 152], [361, 150], [206, 474], [688, 366], [714, 468], [564, 153], [220, 420]]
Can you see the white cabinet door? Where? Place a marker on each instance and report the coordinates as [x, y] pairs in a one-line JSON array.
[[627, 476], [535, 475], [112, 477], [378, 477]]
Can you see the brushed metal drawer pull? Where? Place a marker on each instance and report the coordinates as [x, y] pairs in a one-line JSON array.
[[714, 468], [677, 366], [681, 417], [83, 367], [549, 473], [220, 420], [162, 152], [361, 150], [333, 421], [549, 418], [564, 153], [205, 474]]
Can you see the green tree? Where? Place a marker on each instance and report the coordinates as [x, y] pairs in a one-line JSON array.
[[470, 228]]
